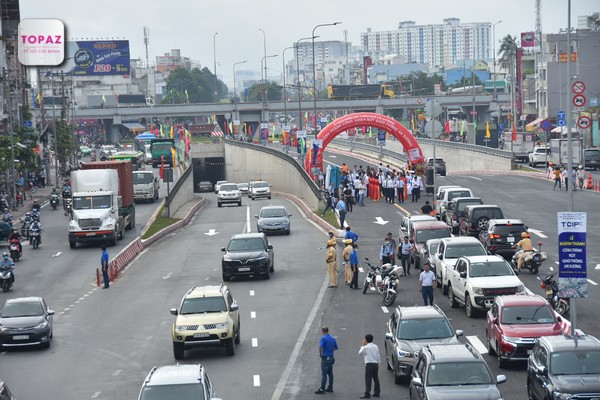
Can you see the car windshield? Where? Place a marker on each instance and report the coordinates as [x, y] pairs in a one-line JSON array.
[[458, 373], [426, 234], [273, 213], [490, 268], [246, 244], [423, 329], [527, 315], [142, 178], [228, 187], [260, 185], [458, 193], [463, 204], [474, 249], [592, 153], [91, 202], [22, 309], [195, 305], [161, 147], [514, 230], [242, 185], [578, 362], [433, 247], [171, 392]]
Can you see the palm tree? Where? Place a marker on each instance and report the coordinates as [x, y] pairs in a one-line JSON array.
[[507, 52]]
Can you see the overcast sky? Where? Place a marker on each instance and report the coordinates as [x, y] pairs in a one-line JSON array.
[[190, 25]]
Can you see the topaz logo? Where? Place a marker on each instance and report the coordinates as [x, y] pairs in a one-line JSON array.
[[41, 42]]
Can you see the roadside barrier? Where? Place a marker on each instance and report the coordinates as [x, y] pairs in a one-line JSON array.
[[589, 182]]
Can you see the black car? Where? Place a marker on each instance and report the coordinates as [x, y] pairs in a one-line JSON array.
[[592, 159], [440, 165], [501, 235], [455, 210], [476, 218], [25, 321], [248, 254], [205, 186], [564, 367]]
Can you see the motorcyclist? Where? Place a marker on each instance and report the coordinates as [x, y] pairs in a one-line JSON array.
[[35, 206], [7, 217], [15, 235], [36, 226], [66, 190], [54, 191], [7, 263], [526, 247]]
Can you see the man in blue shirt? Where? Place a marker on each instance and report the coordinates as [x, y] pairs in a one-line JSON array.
[[354, 267], [104, 265], [327, 345], [351, 235], [341, 209]]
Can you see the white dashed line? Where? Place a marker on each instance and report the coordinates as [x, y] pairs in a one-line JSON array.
[[256, 379], [57, 254], [474, 177], [361, 269], [556, 262], [254, 342], [479, 346], [252, 314], [597, 266], [207, 278], [95, 395], [385, 309], [252, 293], [67, 309], [592, 282], [117, 372], [167, 276]]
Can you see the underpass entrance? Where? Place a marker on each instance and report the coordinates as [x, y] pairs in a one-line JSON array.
[[208, 169]]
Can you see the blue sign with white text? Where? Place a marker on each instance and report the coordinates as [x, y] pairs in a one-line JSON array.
[[381, 134], [572, 270]]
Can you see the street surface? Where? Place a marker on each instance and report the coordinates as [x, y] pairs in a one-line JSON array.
[[105, 341]]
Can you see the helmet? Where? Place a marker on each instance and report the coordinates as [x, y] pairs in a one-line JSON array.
[[580, 167], [347, 241], [331, 242], [524, 234], [5, 255]]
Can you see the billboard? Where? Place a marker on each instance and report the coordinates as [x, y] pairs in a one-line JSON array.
[[97, 57], [572, 269], [527, 39]]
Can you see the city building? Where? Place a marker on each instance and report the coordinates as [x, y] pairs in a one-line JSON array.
[[171, 61]]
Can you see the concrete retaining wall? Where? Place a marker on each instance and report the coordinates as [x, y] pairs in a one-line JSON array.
[[465, 160], [185, 192], [202, 150]]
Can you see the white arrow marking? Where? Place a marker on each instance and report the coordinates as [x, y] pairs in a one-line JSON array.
[[537, 233], [252, 293], [474, 177], [254, 342], [332, 156], [95, 395], [252, 314], [167, 276], [380, 221], [57, 254], [597, 266], [211, 232], [592, 282], [117, 372], [385, 309]]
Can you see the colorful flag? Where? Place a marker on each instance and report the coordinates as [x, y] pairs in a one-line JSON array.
[[173, 156], [488, 135], [103, 99], [447, 127], [186, 96], [462, 128], [161, 131], [39, 98], [514, 132], [230, 127], [412, 123], [172, 133], [475, 126], [161, 172]]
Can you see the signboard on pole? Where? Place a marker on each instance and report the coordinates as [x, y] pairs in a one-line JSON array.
[[381, 134], [572, 271], [579, 100], [578, 87], [546, 125], [584, 122]]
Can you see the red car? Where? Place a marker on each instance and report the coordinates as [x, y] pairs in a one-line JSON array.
[[514, 324]]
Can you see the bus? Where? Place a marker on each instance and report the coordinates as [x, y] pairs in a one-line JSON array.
[[136, 158]]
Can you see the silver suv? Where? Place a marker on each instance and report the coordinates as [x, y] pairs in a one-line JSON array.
[[258, 189], [409, 329], [181, 382], [229, 193]]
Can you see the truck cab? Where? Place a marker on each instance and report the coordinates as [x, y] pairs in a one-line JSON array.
[[145, 186]]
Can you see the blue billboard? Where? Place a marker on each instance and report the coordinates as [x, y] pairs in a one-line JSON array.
[[97, 57], [572, 271]]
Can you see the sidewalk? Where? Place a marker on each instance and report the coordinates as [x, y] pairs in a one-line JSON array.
[[42, 195]]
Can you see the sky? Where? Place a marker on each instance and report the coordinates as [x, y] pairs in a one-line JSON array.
[[190, 25]]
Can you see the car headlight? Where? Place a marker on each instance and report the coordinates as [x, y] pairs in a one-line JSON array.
[[181, 327], [403, 353], [510, 339], [3, 329], [222, 325], [477, 290], [561, 396], [42, 325], [261, 258], [109, 226], [520, 288]]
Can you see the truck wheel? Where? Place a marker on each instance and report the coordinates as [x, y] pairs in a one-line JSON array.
[[451, 298], [178, 351], [72, 244], [131, 221], [113, 241]]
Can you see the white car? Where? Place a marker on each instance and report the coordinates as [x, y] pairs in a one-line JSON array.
[[539, 155], [229, 193], [258, 189], [445, 196], [476, 281], [449, 250], [108, 149], [218, 185]]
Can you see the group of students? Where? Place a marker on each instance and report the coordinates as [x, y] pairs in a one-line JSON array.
[[561, 175]]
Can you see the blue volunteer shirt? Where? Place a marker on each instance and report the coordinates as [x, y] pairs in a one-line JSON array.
[[351, 235], [329, 344], [104, 258], [354, 257]]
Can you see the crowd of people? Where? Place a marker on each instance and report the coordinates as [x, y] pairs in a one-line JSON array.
[[561, 177]]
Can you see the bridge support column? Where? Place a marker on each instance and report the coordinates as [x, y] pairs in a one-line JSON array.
[[379, 109]]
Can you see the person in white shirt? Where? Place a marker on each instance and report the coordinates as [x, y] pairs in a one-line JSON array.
[[580, 177], [426, 282], [372, 358]]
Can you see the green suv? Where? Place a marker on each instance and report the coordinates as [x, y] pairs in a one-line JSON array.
[[207, 316]]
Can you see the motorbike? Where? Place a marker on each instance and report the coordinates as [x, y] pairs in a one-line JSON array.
[[26, 222], [68, 206], [6, 278], [372, 277], [34, 238], [389, 285], [54, 201], [14, 246], [533, 260], [560, 304], [35, 214]]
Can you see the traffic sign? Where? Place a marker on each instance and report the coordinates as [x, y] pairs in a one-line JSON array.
[[562, 122], [562, 115], [578, 87], [419, 100], [546, 125], [433, 108], [579, 100], [433, 128], [584, 122]]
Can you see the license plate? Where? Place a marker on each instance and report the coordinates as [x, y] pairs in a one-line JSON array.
[[21, 337], [201, 334], [529, 352], [510, 239], [548, 291], [90, 234], [244, 269]]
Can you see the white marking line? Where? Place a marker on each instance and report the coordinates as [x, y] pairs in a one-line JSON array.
[[597, 266], [592, 282], [57, 254], [117, 372], [167, 276], [479, 346], [252, 293], [252, 314], [207, 278], [256, 379], [254, 342], [385, 310], [95, 395], [81, 298], [556, 262], [474, 177], [248, 226], [361, 269]]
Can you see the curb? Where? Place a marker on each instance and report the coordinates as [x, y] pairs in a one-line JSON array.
[[310, 215]]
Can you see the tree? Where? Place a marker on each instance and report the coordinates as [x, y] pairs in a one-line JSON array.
[[508, 52], [467, 81], [422, 84], [195, 86], [256, 92]]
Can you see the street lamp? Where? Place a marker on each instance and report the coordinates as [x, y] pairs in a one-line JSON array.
[[314, 70], [495, 97], [263, 74], [234, 87], [284, 93], [265, 91], [215, 61], [313, 37]]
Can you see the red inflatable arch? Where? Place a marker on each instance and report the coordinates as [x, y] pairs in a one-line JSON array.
[[411, 147]]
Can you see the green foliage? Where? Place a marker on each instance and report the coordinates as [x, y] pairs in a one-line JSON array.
[[467, 81], [67, 144], [508, 52], [422, 84], [196, 86], [255, 92]]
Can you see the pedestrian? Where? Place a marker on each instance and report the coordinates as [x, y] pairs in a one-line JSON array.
[[104, 265], [557, 179], [346, 257], [574, 179], [331, 260], [580, 177], [426, 282], [372, 358], [362, 191], [386, 252], [327, 346], [404, 252], [328, 203], [400, 189], [565, 176], [348, 197], [394, 246], [341, 209], [351, 235], [43, 177], [426, 209], [416, 188], [354, 266]]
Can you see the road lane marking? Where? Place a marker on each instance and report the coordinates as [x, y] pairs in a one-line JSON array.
[[256, 379], [254, 342], [361, 269], [57, 254], [474, 177], [207, 278], [479, 346], [405, 211], [556, 262], [332, 156], [597, 266], [248, 226], [117, 372], [95, 395], [252, 314], [592, 282], [385, 310], [252, 293], [537, 233], [167, 276]]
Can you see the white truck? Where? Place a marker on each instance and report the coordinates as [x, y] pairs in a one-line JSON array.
[[522, 146], [145, 186], [559, 154], [103, 205]]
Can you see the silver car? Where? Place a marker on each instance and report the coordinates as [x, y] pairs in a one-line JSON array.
[[273, 219], [229, 193]]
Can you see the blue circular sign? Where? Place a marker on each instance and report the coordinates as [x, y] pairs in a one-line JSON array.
[[546, 125]]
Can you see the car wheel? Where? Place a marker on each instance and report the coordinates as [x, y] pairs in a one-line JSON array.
[[287, 232], [451, 299], [397, 378], [469, 307], [230, 346], [502, 363], [239, 203], [72, 244], [178, 351], [269, 197], [530, 395], [226, 278], [267, 275], [491, 350], [444, 289], [238, 335]]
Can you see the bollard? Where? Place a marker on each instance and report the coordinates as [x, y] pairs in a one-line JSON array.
[[98, 277]]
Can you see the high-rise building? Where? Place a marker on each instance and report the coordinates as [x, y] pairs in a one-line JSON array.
[[436, 45]]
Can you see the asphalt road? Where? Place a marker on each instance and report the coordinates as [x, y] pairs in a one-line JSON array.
[[107, 340]]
